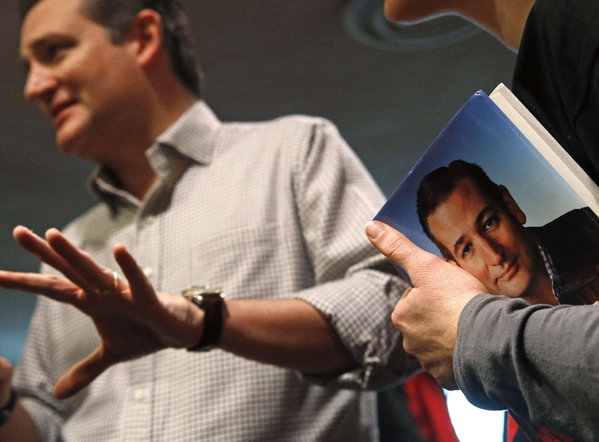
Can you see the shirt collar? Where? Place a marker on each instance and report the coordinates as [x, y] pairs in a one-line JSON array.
[[190, 138], [192, 135], [554, 277]]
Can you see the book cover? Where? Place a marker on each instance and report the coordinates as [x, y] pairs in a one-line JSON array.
[[496, 194]]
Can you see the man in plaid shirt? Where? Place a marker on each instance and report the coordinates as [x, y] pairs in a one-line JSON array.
[[270, 215]]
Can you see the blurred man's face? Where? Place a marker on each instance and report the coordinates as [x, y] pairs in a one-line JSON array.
[[82, 81], [489, 241]]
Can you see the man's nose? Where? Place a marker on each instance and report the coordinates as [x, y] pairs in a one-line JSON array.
[[491, 251], [40, 84]]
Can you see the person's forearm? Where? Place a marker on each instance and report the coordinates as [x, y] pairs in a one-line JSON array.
[[541, 362], [20, 427], [289, 333], [505, 19]]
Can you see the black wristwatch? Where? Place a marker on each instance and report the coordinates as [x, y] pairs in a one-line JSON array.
[[210, 299], [6, 411]]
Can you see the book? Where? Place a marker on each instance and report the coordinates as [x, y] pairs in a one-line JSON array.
[[535, 225]]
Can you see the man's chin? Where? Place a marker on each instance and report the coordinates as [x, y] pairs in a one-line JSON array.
[[513, 291], [68, 142], [66, 149]]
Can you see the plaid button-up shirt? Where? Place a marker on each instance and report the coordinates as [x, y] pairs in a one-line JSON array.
[[264, 210]]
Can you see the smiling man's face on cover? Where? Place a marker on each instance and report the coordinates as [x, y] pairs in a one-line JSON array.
[[487, 238]]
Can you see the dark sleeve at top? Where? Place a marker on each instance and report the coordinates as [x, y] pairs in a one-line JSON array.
[[557, 75], [541, 362]]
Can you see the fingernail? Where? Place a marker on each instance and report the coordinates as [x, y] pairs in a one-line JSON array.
[[374, 229]]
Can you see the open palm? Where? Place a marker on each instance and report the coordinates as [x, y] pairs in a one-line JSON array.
[[131, 318]]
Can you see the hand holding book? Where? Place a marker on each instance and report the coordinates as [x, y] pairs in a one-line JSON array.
[[429, 334], [507, 212]]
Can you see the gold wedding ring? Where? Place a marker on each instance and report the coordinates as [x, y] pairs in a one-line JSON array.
[[114, 287]]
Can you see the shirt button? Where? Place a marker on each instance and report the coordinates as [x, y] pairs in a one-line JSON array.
[[139, 396]]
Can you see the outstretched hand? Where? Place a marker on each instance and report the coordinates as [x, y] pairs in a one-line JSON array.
[[131, 318], [428, 313]]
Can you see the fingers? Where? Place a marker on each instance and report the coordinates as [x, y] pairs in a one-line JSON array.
[[37, 246], [403, 252], [42, 250], [141, 287], [52, 286], [82, 374], [447, 380], [61, 254], [442, 371], [95, 275]]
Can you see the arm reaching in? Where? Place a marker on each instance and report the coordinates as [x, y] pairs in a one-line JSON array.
[[537, 360], [505, 19], [508, 354], [428, 313]]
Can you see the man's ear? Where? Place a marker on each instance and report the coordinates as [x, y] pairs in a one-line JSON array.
[[512, 205], [146, 36]]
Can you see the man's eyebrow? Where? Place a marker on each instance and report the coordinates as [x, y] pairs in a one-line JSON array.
[[478, 221], [458, 244], [480, 218], [38, 44], [43, 40], [32, 48]]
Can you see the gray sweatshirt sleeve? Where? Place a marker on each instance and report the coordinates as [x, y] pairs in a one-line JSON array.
[[541, 362]]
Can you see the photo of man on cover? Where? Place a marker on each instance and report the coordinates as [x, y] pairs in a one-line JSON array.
[[479, 226]]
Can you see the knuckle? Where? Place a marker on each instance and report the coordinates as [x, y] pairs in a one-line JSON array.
[[396, 320], [409, 347], [396, 249], [428, 260], [55, 281], [397, 317], [406, 292]]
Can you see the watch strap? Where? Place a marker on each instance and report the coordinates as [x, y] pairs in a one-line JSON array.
[[210, 300], [213, 326]]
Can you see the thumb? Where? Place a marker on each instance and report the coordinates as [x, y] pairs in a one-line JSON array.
[[82, 374], [401, 251]]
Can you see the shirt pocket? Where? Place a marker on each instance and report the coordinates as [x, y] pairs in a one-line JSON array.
[[245, 262]]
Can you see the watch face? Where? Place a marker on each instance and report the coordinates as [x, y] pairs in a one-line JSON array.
[[201, 290], [200, 294]]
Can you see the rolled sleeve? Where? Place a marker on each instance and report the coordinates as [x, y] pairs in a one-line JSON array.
[[357, 288]]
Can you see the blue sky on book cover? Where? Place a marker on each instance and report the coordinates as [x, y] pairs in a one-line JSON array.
[[480, 133]]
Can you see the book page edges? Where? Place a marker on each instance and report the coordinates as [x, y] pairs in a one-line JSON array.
[[547, 146]]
